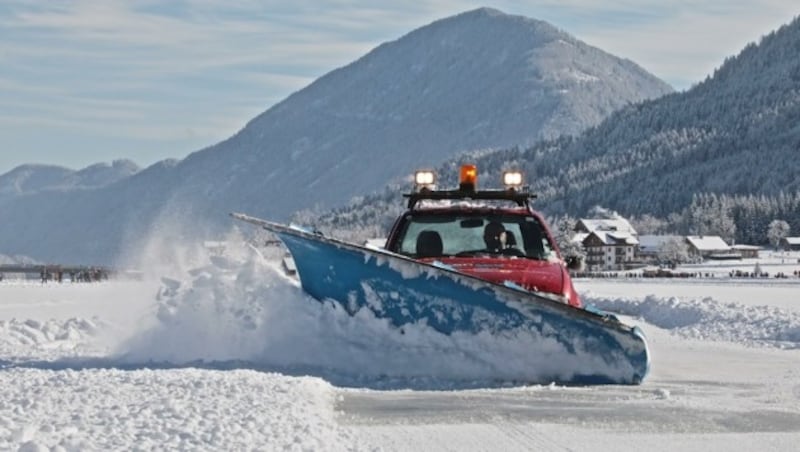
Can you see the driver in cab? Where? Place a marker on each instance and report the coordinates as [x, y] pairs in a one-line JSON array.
[[496, 237]]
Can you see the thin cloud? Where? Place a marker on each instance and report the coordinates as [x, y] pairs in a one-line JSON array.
[[681, 41], [208, 66], [164, 128], [688, 45]]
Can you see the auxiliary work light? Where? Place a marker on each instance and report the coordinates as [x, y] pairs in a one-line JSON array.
[[468, 178], [424, 179], [512, 179]]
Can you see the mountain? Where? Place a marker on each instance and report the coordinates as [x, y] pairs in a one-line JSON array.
[[28, 179], [32, 178], [735, 135], [102, 174], [478, 80]]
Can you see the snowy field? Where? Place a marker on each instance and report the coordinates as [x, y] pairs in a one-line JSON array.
[[228, 354]]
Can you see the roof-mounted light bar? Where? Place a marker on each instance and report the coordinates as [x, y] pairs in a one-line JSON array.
[[468, 184], [425, 180], [512, 180]]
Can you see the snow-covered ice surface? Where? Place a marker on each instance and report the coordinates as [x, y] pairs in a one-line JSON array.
[[230, 355]]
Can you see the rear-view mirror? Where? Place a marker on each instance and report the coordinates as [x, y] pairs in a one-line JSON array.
[[472, 223]]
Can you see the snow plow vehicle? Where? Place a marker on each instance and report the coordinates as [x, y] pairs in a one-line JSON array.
[[473, 262], [493, 242]]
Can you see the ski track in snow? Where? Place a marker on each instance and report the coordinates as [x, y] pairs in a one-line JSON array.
[[237, 333]]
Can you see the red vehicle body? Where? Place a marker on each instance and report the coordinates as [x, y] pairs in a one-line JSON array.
[[457, 235]]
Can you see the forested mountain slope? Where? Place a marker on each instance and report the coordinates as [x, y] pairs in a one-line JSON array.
[[734, 137], [737, 133]]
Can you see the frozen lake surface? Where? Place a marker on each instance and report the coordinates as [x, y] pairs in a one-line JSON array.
[[230, 354]]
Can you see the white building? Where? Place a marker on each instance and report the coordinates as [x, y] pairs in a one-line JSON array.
[[711, 247], [747, 251], [790, 243], [610, 244]]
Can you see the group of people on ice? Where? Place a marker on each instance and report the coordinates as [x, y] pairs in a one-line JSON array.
[[91, 274]]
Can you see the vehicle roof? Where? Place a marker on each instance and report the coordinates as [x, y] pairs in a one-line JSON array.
[[470, 195], [479, 209]]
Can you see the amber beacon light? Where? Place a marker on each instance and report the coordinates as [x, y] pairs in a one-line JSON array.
[[468, 179]]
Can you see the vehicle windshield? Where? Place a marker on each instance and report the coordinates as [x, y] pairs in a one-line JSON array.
[[463, 235]]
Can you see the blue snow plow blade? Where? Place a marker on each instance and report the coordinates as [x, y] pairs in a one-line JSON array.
[[573, 345]]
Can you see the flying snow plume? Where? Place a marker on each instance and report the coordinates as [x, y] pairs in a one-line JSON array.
[[166, 250], [240, 310]]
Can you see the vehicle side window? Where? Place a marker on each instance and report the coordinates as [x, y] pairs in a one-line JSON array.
[[536, 243]]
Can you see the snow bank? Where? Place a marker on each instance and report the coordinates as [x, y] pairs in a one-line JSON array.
[[709, 319]]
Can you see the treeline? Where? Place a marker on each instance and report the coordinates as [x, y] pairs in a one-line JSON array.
[[740, 219]]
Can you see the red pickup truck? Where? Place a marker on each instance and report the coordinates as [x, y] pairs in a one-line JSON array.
[[478, 233]]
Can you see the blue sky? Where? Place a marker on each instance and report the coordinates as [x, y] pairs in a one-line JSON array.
[[88, 81]]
